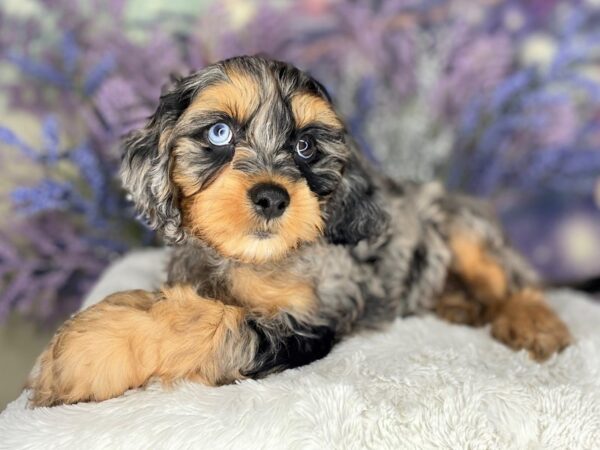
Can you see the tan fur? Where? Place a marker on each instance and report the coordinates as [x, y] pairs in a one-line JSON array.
[[311, 109], [223, 214], [269, 293], [477, 293], [526, 322], [99, 353], [239, 98], [458, 304], [457, 307], [125, 340], [194, 334], [185, 181], [163, 139], [472, 262]]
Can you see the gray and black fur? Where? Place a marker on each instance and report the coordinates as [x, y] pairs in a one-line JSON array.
[[383, 252], [286, 240]]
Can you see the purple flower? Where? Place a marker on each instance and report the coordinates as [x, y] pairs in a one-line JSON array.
[[51, 138], [98, 74], [42, 71], [12, 140], [47, 196]]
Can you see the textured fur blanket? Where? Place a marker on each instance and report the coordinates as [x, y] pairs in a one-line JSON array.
[[422, 383]]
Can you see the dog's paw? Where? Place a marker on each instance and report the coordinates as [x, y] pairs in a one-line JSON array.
[[456, 307], [55, 379], [94, 356], [526, 322]]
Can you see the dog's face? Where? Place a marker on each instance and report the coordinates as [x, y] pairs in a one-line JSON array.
[[249, 156]]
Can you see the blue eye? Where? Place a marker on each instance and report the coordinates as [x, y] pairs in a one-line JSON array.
[[220, 134]]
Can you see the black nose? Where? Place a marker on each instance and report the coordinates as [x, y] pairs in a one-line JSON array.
[[269, 200]]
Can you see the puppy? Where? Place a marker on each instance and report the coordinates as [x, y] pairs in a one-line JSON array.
[[285, 241]]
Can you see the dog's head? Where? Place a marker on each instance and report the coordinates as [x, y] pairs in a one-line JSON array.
[[249, 156]]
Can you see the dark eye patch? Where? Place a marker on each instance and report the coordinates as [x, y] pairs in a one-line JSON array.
[[198, 157], [318, 136], [317, 171]]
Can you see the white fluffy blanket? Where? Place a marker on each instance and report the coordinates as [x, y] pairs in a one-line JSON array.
[[422, 383]]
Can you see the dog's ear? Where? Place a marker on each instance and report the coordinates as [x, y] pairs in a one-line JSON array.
[[145, 166], [353, 213]]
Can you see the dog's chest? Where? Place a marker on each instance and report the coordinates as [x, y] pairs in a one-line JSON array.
[[270, 291]]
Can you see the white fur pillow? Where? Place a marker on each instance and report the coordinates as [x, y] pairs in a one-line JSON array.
[[422, 383]]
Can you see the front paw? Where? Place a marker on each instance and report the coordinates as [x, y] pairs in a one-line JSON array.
[[526, 322], [98, 354]]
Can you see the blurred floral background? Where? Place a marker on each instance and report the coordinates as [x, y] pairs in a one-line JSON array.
[[500, 99]]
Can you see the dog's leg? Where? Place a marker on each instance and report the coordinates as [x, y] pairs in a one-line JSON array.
[[484, 288], [131, 337]]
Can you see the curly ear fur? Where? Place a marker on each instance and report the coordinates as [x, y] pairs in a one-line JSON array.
[[353, 211], [146, 160]]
